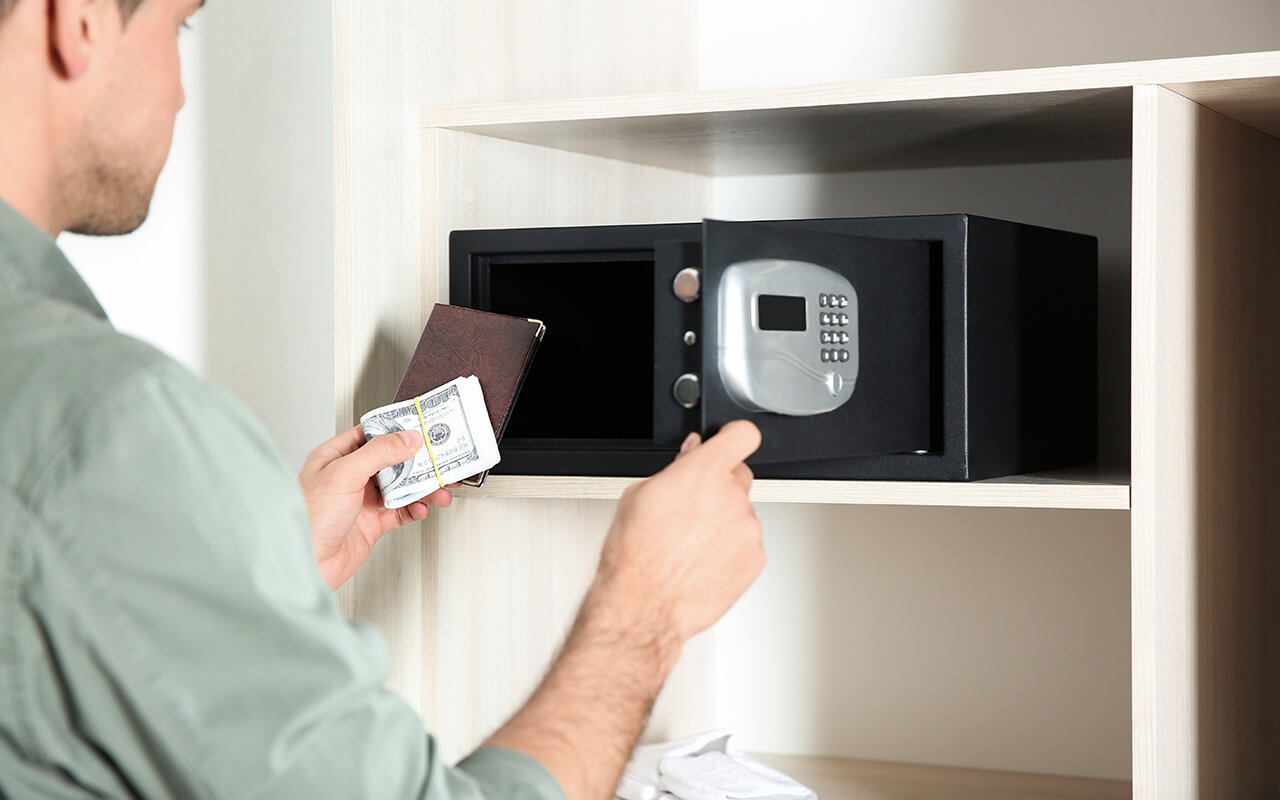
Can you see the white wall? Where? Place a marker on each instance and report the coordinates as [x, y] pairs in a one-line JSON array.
[[151, 282], [233, 272], [762, 42]]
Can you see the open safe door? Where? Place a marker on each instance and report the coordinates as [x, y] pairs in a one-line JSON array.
[[822, 340]]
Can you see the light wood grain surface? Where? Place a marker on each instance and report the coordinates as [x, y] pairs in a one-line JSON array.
[[851, 779], [509, 573], [1054, 114], [1087, 78], [1059, 489], [1205, 342], [845, 136], [390, 59]]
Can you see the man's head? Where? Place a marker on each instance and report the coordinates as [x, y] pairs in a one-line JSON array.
[[93, 87]]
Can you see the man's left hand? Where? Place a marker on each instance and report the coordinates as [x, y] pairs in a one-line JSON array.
[[343, 503]]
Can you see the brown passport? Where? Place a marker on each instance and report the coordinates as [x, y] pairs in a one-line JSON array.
[[458, 342]]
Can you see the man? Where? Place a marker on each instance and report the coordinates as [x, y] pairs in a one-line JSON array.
[[164, 629]]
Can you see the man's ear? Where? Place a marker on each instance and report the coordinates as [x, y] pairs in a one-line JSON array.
[[76, 28]]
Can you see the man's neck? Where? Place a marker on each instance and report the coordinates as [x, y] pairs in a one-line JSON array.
[[28, 181]]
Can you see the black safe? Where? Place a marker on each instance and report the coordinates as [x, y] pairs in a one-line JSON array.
[[947, 347]]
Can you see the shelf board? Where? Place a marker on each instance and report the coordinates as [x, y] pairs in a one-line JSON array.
[[850, 779], [1070, 489], [1051, 114]]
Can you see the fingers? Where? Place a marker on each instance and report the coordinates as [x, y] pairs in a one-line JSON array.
[[743, 475], [732, 445], [347, 442], [690, 443], [440, 498], [379, 453], [343, 444], [392, 518]]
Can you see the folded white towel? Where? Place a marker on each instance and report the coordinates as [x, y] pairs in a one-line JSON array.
[[704, 767], [727, 776], [641, 779]]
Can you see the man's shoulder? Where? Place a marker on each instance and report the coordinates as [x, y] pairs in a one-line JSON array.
[[38, 331], [58, 365]]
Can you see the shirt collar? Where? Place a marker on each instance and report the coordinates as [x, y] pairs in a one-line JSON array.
[[30, 261]]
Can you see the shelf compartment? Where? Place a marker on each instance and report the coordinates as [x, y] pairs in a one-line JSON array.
[[851, 779], [1054, 114], [1066, 489]]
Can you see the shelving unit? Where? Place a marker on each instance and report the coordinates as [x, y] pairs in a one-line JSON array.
[[1082, 489], [474, 606]]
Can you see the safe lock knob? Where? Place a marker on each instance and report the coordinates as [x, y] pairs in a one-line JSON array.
[[687, 390], [688, 284]]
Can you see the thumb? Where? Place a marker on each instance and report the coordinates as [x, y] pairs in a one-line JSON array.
[[379, 453]]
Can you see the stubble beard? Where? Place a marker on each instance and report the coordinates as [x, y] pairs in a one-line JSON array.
[[108, 192]]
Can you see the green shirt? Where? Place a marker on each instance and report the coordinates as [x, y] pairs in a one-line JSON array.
[[164, 629]]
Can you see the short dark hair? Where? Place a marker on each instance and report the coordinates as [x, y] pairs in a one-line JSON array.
[[127, 7]]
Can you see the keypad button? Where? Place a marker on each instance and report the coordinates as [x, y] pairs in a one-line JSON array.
[[826, 355], [826, 337], [822, 300], [842, 301], [844, 319], [844, 355], [824, 318], [844, 337]]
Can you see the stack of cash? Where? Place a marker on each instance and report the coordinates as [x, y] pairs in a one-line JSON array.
[[458, 440]]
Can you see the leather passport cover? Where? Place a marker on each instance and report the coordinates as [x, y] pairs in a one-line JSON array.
[[459, 341]]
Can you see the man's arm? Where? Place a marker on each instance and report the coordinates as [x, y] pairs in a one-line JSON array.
[[684, 545]]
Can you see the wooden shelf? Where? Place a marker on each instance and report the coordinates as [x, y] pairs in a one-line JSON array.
[[1071, 489], [849, 779], [1055, 114]]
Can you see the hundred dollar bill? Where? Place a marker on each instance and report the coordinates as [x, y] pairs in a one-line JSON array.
[[454, 421]]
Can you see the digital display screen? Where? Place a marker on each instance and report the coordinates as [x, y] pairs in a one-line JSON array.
[[777, 312]]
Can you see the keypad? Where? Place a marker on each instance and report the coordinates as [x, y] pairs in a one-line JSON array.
[[833, 320]]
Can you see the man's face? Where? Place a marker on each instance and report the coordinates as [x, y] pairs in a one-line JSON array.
[[120, 142]]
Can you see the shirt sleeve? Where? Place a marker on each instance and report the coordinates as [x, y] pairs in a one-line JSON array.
[[185, 636]]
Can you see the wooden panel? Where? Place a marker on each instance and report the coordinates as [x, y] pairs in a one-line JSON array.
[[391, 58], [888, 90], [508, 574], [1205, 286], [1058, 489], [848, 779], [377, 281], [1015, 128], [1251, 100], [1055, 114]]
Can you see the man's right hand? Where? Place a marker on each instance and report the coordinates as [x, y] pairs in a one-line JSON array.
[[683, 547], [685, 544]]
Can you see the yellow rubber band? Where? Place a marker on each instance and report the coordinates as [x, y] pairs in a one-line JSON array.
[[427, 441]]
